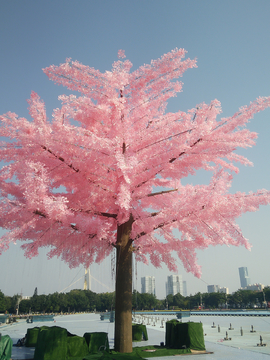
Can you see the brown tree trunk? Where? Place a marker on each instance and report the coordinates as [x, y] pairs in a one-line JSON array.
[[123, 290]]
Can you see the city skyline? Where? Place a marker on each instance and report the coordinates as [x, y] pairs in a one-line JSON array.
[[231, 68], [99, 285]]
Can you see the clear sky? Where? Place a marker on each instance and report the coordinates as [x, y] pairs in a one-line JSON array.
[[231, 41]]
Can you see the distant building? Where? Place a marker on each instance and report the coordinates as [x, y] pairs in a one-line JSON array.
[[244, 278], [255, 287], [174, 285], [184, 288], [217, 288], [148, 285], [212, 288], [224, 290]]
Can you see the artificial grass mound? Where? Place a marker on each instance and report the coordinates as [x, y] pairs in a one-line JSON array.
[[187, 335], [181, 339], [56, 343], [139, 332], [31, 337], [97, 341], [51, 344], [76, 347], [5, 347]]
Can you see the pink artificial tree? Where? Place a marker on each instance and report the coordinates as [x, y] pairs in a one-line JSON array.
[[119, 159]]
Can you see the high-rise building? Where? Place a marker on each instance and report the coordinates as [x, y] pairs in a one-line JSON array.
[[212, 288], [224, 290], [255, 287], [217, 288], [148, 285], [174, 285], [184, 288], [244, 278]]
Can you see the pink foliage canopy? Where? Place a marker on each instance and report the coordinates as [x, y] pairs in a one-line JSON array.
[[113, 151]]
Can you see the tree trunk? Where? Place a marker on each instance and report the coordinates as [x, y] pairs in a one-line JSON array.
[[123, 289]]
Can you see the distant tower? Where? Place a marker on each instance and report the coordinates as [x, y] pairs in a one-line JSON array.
[[184, 288], [212, 288], [174, 285], [148, 285], [87, 280], [244, 278]]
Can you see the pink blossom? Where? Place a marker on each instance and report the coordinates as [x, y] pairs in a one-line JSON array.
[[121, 54], [113, 153]]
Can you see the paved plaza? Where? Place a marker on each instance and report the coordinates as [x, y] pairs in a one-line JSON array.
[[239, 347]]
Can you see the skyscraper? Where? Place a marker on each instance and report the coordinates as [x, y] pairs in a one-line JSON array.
[[148, 285], [184, 288], [244, 278], [212, 289], [174, 285]]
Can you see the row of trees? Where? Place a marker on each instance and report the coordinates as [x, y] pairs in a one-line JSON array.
[[238, 300], [86, 300]]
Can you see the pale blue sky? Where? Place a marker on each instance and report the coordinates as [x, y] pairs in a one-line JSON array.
[[231, 41]]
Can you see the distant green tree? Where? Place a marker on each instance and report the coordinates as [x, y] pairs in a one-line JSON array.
[[12, 303], [91, 300], [214, 300], [62, 302], [2, 302], [55, 302], [159, 304], [25, 306], [244, 298], [195, 300], [41, 303], [148, 301], [267, 295], [236, 300], [106, 301], [169, 301], [256, 298], [9, 307], [145, 301], [135, 300], [77, 300], [179, 301]]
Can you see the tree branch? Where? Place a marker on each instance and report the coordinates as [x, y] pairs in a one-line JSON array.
[[167, 138], [108, 215], [155, 228], [105, 214], [162, 192], [170, 161], [60, 158], [161, 225], [184, 152], [71, 166]]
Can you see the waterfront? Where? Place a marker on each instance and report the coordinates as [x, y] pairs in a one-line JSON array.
[[239, 347]]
